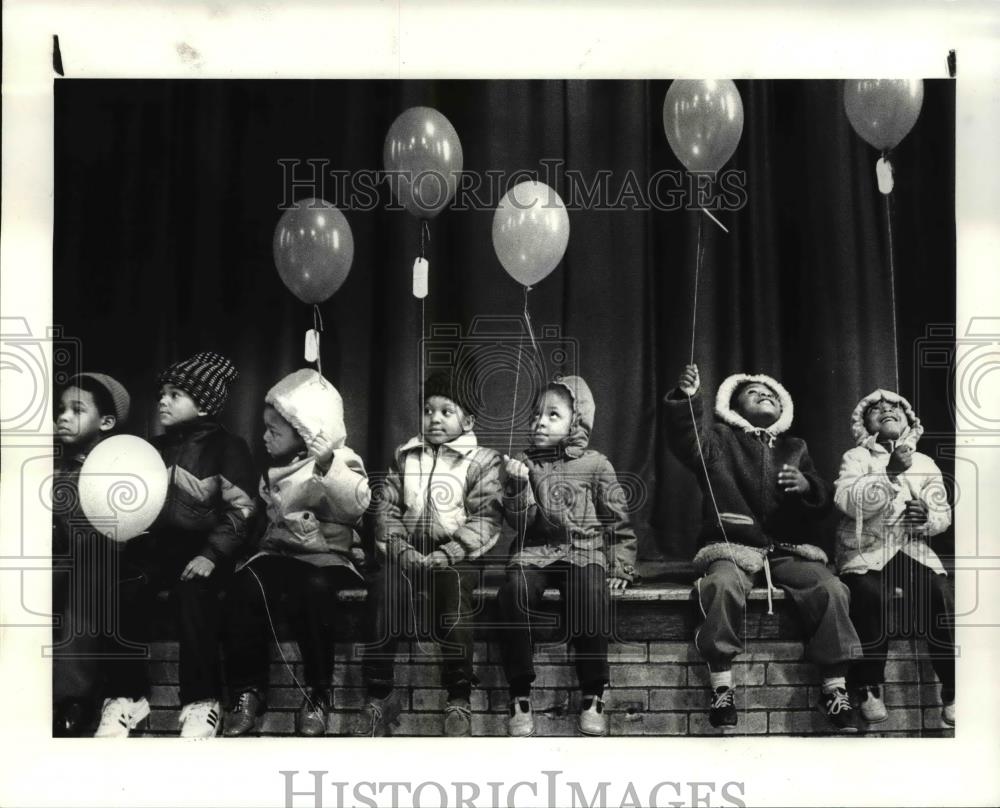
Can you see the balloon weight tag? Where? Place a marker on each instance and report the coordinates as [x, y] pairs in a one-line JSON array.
[[883, 172], [312, 345], [421, 269]]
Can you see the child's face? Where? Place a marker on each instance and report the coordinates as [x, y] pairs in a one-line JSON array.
[[280, 437], [444, 420], [78, 423], [176, 406], [885, 419], [553, 420], [759, 404]]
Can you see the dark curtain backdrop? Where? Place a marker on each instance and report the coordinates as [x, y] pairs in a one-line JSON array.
[[167, 195]]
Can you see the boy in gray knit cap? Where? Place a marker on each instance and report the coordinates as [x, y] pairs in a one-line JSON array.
[[190, 548]]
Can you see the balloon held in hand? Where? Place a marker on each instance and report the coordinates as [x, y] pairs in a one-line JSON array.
[[313, 249], [530, 231]]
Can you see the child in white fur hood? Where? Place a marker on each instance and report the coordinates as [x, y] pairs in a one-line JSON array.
[[893, 500], [315, 492]]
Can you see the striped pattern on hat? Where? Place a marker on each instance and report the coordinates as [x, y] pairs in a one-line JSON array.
[[205, 377]]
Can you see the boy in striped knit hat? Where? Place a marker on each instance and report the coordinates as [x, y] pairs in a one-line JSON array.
[[189, 549]]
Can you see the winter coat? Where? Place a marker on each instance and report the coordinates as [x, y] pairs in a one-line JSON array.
[[311, 515], [444, 497], [573, 508], [870, 532], [211, 475], [743, 463]]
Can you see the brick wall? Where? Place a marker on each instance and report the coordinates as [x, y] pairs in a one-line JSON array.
[[659, 686]]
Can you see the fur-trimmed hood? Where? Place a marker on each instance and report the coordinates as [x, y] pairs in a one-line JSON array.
[[862, 437], [311, 405], [724, 404]]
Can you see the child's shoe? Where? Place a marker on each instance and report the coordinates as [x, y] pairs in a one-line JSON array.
[[836, 706], [243, 717], [200, 719], [722, 712], [71, 718], [522, 719], [458, 718], [871, 705], [948, 713], [377, 716], [311, 718], [120, 716], [593, 720]]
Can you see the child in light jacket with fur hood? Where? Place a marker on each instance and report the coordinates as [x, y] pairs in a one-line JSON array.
[[314, 492], [893, 500]]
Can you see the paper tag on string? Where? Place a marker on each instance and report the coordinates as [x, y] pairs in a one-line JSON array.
[[883, 172], [312, 345], [421, 270]]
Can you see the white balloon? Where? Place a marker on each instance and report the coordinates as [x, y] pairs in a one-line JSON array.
[[123, 485]]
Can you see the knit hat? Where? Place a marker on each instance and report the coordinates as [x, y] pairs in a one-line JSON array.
[[205, 377], [120, 398], [733, 384], [860, 431], [311, 405], [583, 407], [453, 386]]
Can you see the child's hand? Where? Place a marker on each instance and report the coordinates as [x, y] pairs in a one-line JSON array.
[[198, 567], [321, 448], [690, 381], [436, 560], [915, 515], [792, 481], [900, 459], [411, 560], [515, 470], [617, 583]]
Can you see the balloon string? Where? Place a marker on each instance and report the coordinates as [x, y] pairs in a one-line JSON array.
[[513, 406], [892, 286], [531, 331], [318, 328], [420, 369], [425, 237], [694, 306]]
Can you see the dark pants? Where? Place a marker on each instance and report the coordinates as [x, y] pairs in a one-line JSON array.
[[310, 602], [433, 603], [150, 565], [87, 616], [820, 597], [585, 624], [930, 607]]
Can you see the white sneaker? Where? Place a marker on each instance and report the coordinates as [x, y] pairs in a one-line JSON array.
[[200, 719], [120, 716]]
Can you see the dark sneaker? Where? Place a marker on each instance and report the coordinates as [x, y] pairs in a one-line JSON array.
[[311, 718], [593, 719], [458, 718], [243, 717], [377, 716], [72, 718], [836, 706], [870, 704], [722, 712]]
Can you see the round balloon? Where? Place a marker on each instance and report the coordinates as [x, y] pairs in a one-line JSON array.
[[123, 485], [703, 121], [423, 160], [883, 111], [313, 249], [530, 231]]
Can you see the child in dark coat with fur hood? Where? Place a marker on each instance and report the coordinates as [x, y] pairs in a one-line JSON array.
[[761, 499]]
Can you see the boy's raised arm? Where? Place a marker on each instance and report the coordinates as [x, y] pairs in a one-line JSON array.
[[345, 485], [684, 434]]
